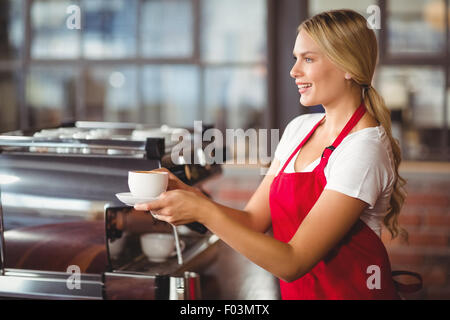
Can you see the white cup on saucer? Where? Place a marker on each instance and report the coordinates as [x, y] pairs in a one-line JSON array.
[[147, 184]]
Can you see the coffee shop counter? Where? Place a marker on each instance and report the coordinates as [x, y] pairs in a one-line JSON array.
[[227, 275], [224, 273]]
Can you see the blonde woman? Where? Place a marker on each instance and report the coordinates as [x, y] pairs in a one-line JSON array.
[[332, 184]]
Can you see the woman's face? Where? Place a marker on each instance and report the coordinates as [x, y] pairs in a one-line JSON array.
[[319, 81]]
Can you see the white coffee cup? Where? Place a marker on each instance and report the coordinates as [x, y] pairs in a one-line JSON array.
[[158, 246], [147, 184]]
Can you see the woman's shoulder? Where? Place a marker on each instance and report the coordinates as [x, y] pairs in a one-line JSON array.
[[374, 138], [364, 160], [370, 145]]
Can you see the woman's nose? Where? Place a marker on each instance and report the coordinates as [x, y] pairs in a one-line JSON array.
[[296, 71]]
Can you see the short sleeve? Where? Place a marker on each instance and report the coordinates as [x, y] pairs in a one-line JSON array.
[[361, 171]]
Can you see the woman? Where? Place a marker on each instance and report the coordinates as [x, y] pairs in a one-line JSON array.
[[333, 181]]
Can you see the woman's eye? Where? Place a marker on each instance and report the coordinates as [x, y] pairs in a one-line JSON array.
[[309, 60], [295, 58]]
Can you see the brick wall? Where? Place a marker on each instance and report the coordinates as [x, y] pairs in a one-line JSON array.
[[425, 216]]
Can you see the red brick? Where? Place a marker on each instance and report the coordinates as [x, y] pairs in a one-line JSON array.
[[407, 258], [428, 239], [436, 210], [441, 220], [438, 293], [409, 209], [388, 242], [437, 275], [422, 236], [427, 199], [410, 219]]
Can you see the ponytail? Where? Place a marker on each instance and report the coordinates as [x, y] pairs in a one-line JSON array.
[[376, 107]]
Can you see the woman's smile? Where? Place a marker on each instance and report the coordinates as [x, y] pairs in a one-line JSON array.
[[303, 86]]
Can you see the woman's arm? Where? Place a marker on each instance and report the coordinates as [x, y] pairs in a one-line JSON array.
[[256, 214], [326, 224]]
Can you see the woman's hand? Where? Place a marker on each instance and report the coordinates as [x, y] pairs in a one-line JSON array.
[[174, 181], [178, 207], [176, 184]]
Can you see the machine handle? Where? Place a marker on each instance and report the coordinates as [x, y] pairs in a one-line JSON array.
[[198, 227]]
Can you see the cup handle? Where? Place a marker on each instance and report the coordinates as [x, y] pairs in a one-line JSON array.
[[182, 246]]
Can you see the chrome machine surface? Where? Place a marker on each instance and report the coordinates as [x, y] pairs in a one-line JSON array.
[[64, 234]]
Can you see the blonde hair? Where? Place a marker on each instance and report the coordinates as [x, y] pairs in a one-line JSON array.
[[348, 42]]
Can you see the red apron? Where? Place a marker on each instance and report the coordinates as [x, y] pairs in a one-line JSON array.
[[345, 271]]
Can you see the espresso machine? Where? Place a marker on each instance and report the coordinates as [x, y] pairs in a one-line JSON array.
[[63, 232]]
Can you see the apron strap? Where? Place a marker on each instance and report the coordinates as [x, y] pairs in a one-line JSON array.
[[357, 115], [407, 288]]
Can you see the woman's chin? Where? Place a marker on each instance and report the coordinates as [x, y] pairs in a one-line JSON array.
[[306, 102]]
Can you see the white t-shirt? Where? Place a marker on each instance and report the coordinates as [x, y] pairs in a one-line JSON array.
[[361, 166]]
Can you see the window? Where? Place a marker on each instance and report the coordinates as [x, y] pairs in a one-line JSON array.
[[50, 95], [11, 29], [167, 29], [171, 94], [416, 26], [149, 61], [109, 29], [111, 93], [416, 95], [9, 119], [414, 51], [234, 53], [50, 39], [11, 51], [317, 6]]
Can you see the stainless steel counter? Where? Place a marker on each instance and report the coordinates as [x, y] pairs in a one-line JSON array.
[[228, 275]]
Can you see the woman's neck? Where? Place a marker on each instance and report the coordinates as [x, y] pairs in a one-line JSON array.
[[339, 112]]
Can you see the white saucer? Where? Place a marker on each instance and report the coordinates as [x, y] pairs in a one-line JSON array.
[[130, 200]]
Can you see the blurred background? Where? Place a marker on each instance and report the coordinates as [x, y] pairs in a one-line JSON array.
[[227, 63], [224, 62]]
